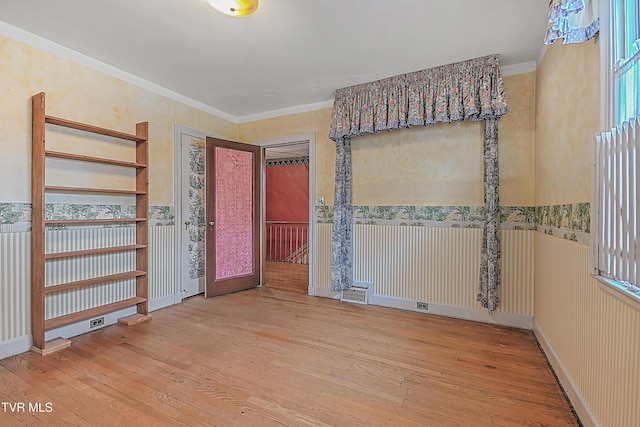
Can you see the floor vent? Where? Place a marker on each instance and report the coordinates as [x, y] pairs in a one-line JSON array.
[[355, 294]]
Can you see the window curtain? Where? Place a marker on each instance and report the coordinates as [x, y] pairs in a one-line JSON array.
[[342, 242], [490, 255], [468, 90], [574, 21]]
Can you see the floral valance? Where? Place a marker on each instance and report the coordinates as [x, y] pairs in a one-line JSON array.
[[574, 21], [468, 90]]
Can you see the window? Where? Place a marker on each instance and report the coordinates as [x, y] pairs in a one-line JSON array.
[[616, 222], [626, 58]]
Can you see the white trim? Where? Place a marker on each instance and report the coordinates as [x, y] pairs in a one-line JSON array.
[[16, 346], [178, 132], [285, 111], [79, 58], [513, 69], [507, 70], [580, 405], [607, 100], [594, 212], [327, 293], [23, 344], [617, 291], [473, 314], [289, 140], [162, 302], [541, 54], [82, 327]]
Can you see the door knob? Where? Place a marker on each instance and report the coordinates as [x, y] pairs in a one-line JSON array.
[[211, 223], [186, 224]]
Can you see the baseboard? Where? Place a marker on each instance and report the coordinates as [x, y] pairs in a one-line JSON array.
[[162, 302], [580, 405], [22, 344], [82, 327], [16, 346], [326, 293], [464, 313], [474, 314]]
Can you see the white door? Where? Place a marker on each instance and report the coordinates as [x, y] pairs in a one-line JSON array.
[[191, 232]]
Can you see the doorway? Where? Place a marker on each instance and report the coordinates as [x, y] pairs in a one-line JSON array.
[[190, 270], [286, 237], [288, 215]]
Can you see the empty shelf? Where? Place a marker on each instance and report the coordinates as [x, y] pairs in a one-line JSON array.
[[98, 251], [83, 158], [92, 221], [60, 189], [56, 322], [93, 281], [90, 128]]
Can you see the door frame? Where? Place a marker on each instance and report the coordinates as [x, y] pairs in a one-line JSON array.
[[290, 140], [178, 132]]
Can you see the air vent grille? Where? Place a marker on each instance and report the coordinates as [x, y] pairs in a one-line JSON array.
[[355, 295]]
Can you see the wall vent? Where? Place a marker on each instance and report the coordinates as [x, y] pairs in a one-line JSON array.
[[355, 294]]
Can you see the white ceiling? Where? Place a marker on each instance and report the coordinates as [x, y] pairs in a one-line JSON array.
[[291, 52]]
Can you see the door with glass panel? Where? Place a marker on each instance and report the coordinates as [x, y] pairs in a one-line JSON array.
[[232, 216]]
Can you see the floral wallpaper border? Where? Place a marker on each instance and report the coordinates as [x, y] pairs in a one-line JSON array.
[[569, 221], [288, 161], [16, 217]]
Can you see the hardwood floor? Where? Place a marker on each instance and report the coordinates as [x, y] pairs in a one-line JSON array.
[[267, 357], [287, 276]]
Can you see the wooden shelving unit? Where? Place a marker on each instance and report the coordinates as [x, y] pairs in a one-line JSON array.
[[38, 234]]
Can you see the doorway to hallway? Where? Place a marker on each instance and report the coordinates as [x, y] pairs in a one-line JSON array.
[[286, 230]]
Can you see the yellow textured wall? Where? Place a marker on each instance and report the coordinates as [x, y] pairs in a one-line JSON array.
[[567, 117], [594, 335], [434, 165], [79, 93], [517, 142], [295, 124]]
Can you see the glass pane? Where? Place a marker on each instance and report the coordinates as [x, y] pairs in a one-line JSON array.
[[626, 45], [234, 213]]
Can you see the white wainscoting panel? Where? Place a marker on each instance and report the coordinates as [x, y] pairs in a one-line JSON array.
[[434, 264], [591, 337], [162, 263], [15, 270], [15, 295]]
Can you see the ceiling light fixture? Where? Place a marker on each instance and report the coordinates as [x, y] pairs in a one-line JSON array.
[[237, 8]]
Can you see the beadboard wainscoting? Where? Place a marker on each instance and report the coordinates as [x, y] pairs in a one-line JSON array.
[[15, 328], [436, 265], [590, 336]]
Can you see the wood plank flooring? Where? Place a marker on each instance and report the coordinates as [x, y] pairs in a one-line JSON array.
[[287, 276], [266, 357]]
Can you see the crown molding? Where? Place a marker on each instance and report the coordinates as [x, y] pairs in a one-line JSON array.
[[305, 108], [79, 58], [521, 68]]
